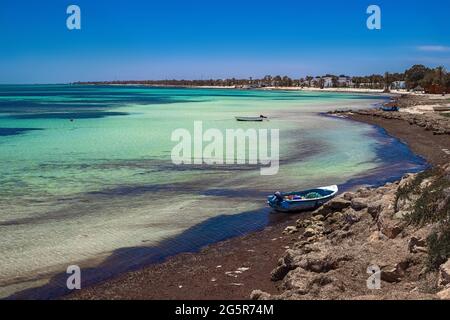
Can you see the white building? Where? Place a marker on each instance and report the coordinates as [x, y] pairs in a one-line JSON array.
[[327, 82], [398, 85], [345, 82]]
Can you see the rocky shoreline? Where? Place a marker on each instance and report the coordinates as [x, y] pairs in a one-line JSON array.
[[432, 122], [398, 233], [369, 228]]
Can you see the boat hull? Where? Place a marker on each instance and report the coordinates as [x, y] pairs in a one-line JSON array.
[[288, 206], [250, 119]]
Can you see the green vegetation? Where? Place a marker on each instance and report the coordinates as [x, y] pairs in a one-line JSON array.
[[432, 206], [438, 248], [421, 76], [413, 188], [416, 76]]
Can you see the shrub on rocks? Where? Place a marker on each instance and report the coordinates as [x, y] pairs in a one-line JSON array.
[[444, 274], [438, 248]]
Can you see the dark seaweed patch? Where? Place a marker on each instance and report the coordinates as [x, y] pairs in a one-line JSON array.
[[15, 131], [69, 115]]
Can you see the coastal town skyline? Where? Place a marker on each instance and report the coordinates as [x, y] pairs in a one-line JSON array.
[[203, 40]]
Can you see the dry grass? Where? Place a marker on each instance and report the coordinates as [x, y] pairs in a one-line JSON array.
[[432, 206]]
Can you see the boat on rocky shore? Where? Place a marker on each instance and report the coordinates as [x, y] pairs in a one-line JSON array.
[[399, 231], [302, 200]]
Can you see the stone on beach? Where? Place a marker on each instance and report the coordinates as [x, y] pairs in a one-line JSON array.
[[444, 274], [290, 230], [444, 294], [359, 203]]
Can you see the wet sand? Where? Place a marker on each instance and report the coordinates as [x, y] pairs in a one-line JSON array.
[[233, 268]]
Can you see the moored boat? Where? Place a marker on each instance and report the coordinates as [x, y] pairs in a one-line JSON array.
[[302, 200], [260, 118]]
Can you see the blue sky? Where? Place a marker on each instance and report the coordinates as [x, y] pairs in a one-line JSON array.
[[145, 39]]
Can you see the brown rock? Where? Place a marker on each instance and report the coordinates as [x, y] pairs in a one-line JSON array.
[[351, 218], [309, 232], [444, 274], [384, 190], [388, 226], [395, 273], [400, 215], [290, 230], [416, 245], [303, 223], [259, 295], [444, 294], [348, 196], [376, 236], [297, 280], [364, 193], [359, 204], [374, 209], [319, 217], [337, 204], [285, 264]]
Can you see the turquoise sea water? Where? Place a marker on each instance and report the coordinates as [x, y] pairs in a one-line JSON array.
[[87, 170]]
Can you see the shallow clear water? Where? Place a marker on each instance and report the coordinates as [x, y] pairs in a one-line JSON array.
[[87, 170]]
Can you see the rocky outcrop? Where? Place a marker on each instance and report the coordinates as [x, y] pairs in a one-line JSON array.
[[356, 232], [444, 274], [416, 245], [444, 294], [394, 273]]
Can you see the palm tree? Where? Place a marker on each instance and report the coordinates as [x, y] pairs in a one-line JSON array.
[[387, 82], [441, 76], [277, 81]]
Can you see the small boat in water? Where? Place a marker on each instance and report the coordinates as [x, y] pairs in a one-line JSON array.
[[260, 118], [302, 200]]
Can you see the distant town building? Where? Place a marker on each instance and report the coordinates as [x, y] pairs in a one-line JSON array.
[[327, 82], [398, 85], [344, 81]]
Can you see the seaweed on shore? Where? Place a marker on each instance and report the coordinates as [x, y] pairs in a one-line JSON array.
[[438, 247]]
